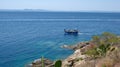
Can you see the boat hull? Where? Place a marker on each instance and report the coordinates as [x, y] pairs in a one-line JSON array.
[[71, 32]]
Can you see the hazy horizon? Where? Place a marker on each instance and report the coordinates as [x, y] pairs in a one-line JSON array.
[[44, 10], [66, 5]]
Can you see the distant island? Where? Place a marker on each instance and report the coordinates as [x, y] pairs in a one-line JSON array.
[[26, 10]]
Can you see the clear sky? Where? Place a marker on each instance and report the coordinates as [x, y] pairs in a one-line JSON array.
[[63, 5]]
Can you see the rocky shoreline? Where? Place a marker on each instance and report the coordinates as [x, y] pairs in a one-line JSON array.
[[68, 62], [77, 59], [101, 51]]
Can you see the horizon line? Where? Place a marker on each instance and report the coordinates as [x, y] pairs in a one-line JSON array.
[[44, 10]]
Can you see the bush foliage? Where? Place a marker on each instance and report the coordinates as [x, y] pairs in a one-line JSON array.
[[103, 43]]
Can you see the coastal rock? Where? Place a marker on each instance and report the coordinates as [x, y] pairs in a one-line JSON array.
[[38, 63], [78, 59], [71, 60], [77, 46]]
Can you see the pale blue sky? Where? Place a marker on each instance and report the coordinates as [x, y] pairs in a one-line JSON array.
[[63, 5]]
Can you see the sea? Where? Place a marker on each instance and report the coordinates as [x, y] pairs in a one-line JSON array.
[[26, 36]]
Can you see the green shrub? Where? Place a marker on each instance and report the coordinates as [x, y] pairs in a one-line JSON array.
[[92, 53], [106, 38], [58, 63], [102, 49], [98, 51]]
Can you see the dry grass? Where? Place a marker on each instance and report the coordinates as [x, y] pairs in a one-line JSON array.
[[115, 55], [86, 64], [111, 60], [105, 62]]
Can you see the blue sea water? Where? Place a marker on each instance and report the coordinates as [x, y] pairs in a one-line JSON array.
[[26, 36]]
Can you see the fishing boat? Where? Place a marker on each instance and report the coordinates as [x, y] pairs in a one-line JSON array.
[[71, 31]]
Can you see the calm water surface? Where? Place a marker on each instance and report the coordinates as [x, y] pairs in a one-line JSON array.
[[26, 36]]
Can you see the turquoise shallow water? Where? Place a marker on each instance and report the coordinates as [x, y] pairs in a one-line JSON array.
[[26, 36]]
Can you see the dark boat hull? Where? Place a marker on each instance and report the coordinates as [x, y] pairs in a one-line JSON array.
[[72, 32]]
